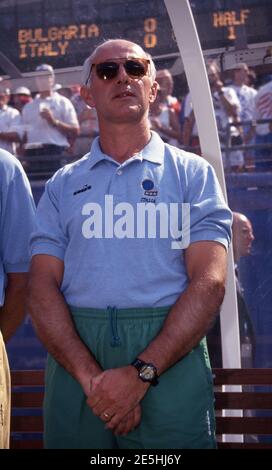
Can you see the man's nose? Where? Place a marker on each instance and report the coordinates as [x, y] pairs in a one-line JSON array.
[[252, 236], [122, 74]]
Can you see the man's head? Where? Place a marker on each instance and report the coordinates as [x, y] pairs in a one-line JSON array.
[[45, 78], [165, 80], [242, 235], [21, 96], [239, 73], [119, 81], [213, 72]]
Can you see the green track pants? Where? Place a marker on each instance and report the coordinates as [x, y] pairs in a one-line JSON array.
[[177, 414]]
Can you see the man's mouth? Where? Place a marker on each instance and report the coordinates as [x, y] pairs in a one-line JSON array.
[[124, 94]]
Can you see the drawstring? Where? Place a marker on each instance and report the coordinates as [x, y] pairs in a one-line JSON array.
[[115, 338]]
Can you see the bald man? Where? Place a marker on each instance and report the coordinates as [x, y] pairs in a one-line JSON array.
[[123, 310], [243, 238]]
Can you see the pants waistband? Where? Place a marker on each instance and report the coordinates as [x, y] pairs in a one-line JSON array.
[[122, 313], [114, 316]]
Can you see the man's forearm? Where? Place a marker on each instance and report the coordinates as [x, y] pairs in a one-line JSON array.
[[10, 136], [67, 129], [230, 108], [54, 326], [186, 324]]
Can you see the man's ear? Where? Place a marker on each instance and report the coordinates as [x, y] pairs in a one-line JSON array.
[[153, 92], [86, 95]]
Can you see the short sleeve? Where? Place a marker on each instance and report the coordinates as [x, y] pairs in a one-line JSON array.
[[17, 224], [69, 115], [48, 237], [210, 217]]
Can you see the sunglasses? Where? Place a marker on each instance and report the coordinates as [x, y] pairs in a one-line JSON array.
[[135, 68]]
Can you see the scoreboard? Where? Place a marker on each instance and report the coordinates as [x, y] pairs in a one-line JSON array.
[[65, 32]]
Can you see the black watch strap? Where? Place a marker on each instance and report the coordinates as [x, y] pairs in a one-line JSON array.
[[147, 372]]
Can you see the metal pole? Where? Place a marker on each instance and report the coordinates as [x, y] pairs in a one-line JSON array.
[[189, 46]]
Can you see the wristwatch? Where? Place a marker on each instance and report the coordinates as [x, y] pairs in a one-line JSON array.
[[147, 372]]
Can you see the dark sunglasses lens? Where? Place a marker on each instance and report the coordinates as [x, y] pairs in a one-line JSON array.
[[107, 70], [135, 68]]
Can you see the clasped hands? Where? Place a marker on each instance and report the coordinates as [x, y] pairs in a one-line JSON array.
[[115, 396]]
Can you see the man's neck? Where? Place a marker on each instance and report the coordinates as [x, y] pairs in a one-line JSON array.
[[238, 83], [122, 141], [45, 94]]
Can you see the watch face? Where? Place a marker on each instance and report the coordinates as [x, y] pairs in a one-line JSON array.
[[147, 372]]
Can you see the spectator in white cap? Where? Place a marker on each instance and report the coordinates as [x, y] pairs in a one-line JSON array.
[[9, 121], [50, 120], [246, 96], [21, 96], [245, 93], [227, 113]]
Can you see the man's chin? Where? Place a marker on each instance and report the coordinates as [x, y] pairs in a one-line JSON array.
[[131, 114]]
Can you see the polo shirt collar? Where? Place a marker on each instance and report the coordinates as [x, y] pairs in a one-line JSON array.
[[152, 152]]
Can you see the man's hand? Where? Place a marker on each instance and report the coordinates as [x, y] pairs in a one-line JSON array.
[[218, 85], [114, 396], [129, 422], [48, 116]]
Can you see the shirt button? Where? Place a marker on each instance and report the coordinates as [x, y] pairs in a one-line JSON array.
[[119, 172]]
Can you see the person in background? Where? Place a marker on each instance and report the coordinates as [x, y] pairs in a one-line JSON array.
[[190, 138], [166, 84], [88, 123], [63, 90], [227, 113], [50, 120], [17, 222], [263, 111], [243, 238], [251, 79], [246, 96], [21, 97], [9, 121], [164, 120]]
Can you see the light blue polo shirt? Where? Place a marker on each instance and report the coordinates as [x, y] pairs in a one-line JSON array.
[[17, 212], [91, 217]]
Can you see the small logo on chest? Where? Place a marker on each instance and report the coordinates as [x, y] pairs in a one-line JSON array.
[[150, 192], [86, 187]]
